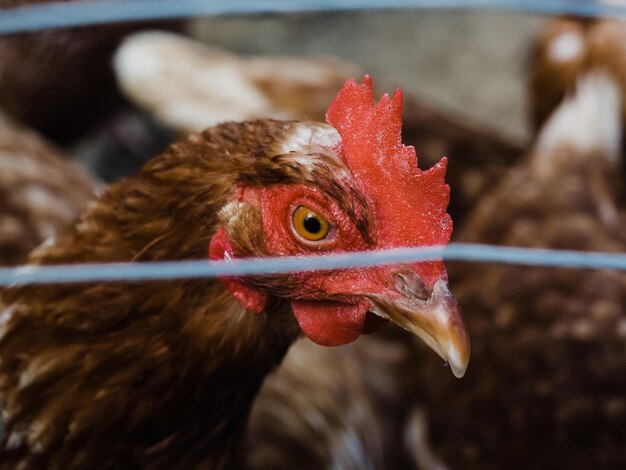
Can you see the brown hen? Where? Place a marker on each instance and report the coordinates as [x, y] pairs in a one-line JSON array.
[[163, 374], [547, 386], [564, 50], [61, 82], [41, 192]]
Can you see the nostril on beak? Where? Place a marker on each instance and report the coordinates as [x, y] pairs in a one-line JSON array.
[[410, 284]]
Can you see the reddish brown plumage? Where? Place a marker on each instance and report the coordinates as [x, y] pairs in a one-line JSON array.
[[553, 74], [40, 191], [347, 407], [128, 381], [162, 374], [547, 387], [64, 73]]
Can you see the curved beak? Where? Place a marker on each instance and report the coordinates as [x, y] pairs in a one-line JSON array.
[[436, 319]]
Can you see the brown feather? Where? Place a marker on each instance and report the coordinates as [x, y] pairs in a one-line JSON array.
[[149, 374], [592, 43], [60, 82], [41, 192]]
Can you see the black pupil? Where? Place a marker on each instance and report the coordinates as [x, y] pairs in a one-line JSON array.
[[312, 224]]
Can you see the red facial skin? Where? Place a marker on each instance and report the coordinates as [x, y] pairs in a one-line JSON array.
[[313, 301], [408, 206], [327, 305]]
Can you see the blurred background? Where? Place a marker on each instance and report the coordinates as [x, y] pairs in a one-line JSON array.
[[469, 63], [466, 64]]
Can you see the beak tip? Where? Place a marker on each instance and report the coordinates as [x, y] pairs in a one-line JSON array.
[[458, 370], [457, 354], [455, 338], [437, 321]]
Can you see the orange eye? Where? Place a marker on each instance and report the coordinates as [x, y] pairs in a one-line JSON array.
[[309, 224]]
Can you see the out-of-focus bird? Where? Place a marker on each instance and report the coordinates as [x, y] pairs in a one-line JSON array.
[[182, 86], [319, 410], [351, 407], [163, 374], [547, 388], [186, 85], [564, 50], [558, 55], [40, 190], [61, 82]]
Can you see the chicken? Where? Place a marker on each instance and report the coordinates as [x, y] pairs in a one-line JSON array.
[[317, 410], [352, 407], [163, 374], [61, 82], [564, 49], [40, 191], [186, 85], [183, 86], [546, 388]]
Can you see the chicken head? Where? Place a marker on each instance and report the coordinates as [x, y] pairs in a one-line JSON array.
[[355, 187]]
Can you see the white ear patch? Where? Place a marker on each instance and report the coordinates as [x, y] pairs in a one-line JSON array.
[[566, 47], [306, 136], [308, 139]]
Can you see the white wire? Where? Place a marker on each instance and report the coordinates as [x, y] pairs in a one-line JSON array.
[[152, 271], [66, 14]]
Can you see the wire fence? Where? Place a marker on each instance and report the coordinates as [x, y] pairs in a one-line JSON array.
[[66, 14], [72, 14], [154, 271]]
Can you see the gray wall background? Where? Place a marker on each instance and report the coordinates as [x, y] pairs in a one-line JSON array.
[[470, 63]]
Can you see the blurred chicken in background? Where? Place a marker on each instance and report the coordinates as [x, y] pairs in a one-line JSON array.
[[188, 86], [41, 191], [564, 49], [61, 82], [547, 388]]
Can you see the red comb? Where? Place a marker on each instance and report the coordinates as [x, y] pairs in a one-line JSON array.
[[411, 203]]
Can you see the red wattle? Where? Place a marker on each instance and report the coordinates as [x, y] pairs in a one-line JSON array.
[[330, 323]]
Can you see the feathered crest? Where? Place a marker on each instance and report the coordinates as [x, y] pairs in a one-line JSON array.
[[412, 202]]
